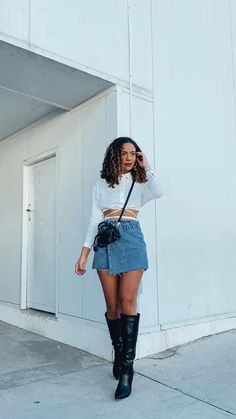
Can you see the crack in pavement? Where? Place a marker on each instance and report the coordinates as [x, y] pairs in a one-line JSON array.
[[186, 394]]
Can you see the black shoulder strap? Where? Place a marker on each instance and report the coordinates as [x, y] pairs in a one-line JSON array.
[[126, 201]]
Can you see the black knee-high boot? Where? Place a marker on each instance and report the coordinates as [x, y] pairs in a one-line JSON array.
[[114, 327], [129, 333]]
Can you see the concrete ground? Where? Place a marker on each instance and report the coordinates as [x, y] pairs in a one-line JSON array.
[[42, 378]]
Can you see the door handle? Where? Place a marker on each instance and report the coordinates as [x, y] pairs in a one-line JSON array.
[[29, 211]]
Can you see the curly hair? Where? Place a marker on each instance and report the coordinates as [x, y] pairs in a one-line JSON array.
[[112, 163]]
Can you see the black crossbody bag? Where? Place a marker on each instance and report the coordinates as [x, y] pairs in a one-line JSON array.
[[108, 233]]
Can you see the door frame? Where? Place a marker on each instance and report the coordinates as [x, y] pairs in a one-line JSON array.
[[25, 230]]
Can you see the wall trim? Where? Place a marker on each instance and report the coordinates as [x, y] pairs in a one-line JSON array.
[[82, 334]]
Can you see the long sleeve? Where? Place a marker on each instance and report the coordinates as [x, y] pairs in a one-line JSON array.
[[152, 188], [95, 218]]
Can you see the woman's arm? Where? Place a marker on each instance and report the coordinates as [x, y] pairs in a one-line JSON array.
[[95, 218], [152, 188], [80, 266]]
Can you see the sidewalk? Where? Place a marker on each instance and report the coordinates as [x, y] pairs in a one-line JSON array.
[[42, 378]]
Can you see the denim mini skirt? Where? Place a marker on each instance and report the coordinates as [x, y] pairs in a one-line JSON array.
[[129, 253]]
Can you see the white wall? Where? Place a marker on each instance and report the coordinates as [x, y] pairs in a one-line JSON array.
[[189, 138], [142, 132], [89, 35], [196, 149], [11, 155], [79, 138], [14, 19]]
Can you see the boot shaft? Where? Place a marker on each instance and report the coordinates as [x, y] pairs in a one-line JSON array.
[[129, 333], [114, 327]]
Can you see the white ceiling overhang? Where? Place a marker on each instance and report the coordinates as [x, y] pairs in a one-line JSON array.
[[33, 87]]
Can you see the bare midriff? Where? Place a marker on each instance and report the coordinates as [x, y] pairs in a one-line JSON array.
[[114, 213]]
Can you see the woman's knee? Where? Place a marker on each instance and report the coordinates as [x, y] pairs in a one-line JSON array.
[[113, 311], [127, 305]]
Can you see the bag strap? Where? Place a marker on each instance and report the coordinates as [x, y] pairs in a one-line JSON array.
[[126, 201]]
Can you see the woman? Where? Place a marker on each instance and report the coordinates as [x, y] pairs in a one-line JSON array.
[[120, 265]]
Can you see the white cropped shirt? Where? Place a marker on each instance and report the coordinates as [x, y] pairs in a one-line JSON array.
[[105, 197]]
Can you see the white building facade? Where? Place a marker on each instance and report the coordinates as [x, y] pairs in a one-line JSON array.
[[74, 76]]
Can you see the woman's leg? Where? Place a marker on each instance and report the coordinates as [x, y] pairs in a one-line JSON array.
[[110, 286], [128, 291]]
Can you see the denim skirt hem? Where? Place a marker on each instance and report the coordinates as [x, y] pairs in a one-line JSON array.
[[124, 255]]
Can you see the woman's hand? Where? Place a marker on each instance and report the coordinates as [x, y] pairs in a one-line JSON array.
[[80, 266], [142, 162]]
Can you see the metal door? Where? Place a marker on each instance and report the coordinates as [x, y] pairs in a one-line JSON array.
[[41, 278]]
